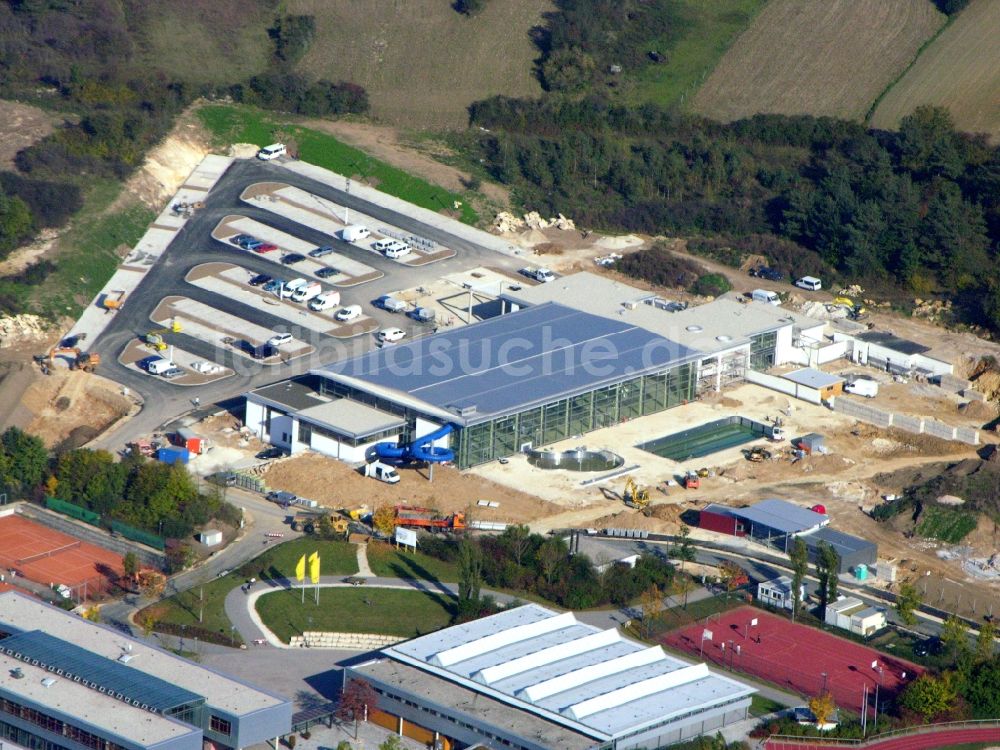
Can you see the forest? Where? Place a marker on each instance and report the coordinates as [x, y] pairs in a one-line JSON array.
[[916, 212]]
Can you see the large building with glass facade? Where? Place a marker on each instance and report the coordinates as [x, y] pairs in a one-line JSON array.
[[563, 359], [69, 684]]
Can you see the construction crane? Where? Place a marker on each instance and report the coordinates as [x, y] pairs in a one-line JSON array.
[[155, 338], [635, 496]]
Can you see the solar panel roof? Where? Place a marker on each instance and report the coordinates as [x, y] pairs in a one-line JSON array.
[[115, 678], [504, 364]]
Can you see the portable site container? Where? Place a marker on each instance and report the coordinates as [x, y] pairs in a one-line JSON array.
[[173, 455], [186, 438]]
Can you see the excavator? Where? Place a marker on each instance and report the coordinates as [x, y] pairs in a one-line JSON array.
[[855, 310], [635, 496], [80, 360], [155, 340]]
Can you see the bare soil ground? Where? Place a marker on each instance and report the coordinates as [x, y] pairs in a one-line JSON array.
[[819, 57], [960, 70], [421, 62], [73, 403], [20, 126], [336, 485]]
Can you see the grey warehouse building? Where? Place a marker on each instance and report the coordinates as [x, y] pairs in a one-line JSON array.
[[557, 364], [69, 684], [530, 678]]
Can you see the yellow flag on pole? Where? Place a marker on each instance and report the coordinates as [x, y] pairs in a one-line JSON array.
[[314, 567], [300, 569]]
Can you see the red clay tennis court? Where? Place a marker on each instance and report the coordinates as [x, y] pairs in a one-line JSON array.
[[795, 656], [46, 556]]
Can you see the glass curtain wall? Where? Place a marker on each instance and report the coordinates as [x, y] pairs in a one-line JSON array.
[[762, 349]]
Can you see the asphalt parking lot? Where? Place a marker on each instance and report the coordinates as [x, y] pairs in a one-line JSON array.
[[194, 246]]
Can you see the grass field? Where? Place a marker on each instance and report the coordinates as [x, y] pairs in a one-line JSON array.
[[356, 610], [820, 57], [709, 27], [208, 600], [87, 254], [422, 62], [946, 524], [960, 70], [231, 124], [385, 560]]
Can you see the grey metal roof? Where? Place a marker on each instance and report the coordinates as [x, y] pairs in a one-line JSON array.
[[351, 418], [782, 516], [514, 361], [552, 665], [69, 661], [294, 394], [844, 544], [812, 378], [891, 341]]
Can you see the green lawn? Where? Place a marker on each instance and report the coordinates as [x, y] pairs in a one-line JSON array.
[[761, 706], [708, 28], [87, 252], [385, 560], [356, 610], [948, 525], [208, 600], [240, 124]]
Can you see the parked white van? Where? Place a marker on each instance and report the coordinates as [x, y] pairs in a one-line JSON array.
[[158, 366], [384, 244], [809, 282], [354, 233], [291, 288], [763, 295], [272, 152], [325, 301], [307, 292], [862, 387], [397, 250]]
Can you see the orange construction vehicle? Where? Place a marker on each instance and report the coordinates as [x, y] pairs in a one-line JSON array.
[[114, 300], [79, 360], [410, 516], [692, 481]]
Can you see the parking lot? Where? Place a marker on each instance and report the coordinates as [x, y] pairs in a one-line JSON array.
[[202, 281]]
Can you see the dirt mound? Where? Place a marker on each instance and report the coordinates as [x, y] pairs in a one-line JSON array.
[[70, 405], [978, 410], [984, 372]]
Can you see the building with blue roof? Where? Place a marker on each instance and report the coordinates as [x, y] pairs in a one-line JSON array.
[[68, 683], [564, 359]]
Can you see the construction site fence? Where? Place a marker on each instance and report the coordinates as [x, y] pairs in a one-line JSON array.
[[138, 535], [250, 482], [776, 741], [907, 422], [73, 511]]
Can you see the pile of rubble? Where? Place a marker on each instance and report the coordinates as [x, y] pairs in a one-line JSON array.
[[505, 222], [21, 328], [931, 309]]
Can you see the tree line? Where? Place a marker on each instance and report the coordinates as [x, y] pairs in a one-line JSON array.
[[155, 497], [917, 210]]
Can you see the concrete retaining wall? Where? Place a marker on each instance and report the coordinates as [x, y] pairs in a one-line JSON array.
[[967, 435], [939, 429], [907, 422], [952, 384], [861, 411], [343, 641]]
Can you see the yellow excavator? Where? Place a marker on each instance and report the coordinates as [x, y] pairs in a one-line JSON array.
[[855, 310], [635, 496], [155, 338], [77, 360]]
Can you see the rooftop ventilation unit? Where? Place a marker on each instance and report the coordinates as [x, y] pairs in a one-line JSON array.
[[466, 411], [723, 337], [16, 673], [125, 658], [48, 682], [694, 329]]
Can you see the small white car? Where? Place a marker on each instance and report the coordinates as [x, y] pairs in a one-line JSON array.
[[325, 301], [351, 312], [391, 335], [280, 339]]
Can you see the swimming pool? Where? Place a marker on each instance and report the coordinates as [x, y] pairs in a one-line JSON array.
[[579, 459], [706, 439]]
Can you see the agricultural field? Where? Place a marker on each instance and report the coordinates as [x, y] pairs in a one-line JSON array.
[[959, 70], [829, 57], [421, 61]]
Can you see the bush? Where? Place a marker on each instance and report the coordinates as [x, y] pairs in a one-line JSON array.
[[51, 203], [660, 266], [711, 285]]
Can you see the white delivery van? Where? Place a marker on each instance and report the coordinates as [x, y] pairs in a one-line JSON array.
[[158, 366], [272, 152], [307, 292], [809, 282], [325, 301], [384, 244], [763, 295], [397, 250], [862, 387], [382, 472], [291, 287], [348, 313], [354, 233]]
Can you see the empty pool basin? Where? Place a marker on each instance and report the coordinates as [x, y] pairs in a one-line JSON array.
[[578, 459], [707, 439]]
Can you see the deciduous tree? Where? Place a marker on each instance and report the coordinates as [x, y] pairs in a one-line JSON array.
[[357, 698], [907, 601], [822, 707], [799, 557], [930, 696], [985, 641], [130, 564], [652, 609], [384, 520], [954, 635]]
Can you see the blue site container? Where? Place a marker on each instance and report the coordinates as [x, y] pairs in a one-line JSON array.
[[861, 572], [173, 455]]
